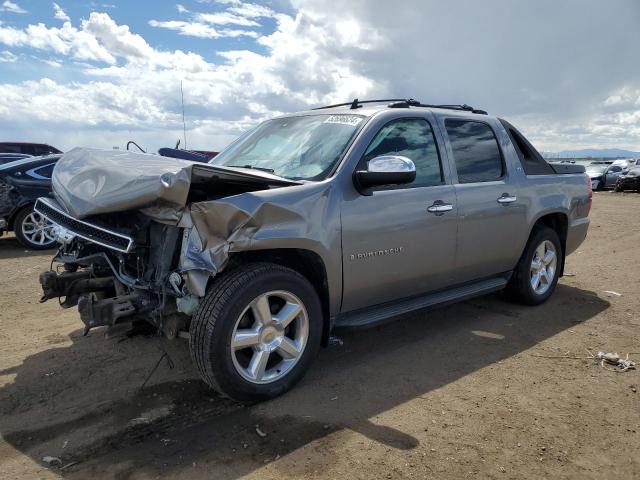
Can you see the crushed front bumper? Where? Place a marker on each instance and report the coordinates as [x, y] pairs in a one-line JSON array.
[[101, 301]]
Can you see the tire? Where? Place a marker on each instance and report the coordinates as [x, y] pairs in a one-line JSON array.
[[617, 189], [521, 285], [27, 221], [228, 306], [600, 186]]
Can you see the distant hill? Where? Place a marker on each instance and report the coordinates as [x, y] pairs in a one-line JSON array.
[[593, 153]]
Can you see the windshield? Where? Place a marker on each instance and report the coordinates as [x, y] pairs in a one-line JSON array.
[[596, 168], [298, 148]]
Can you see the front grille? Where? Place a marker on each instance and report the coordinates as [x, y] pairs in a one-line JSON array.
[[92, 233]]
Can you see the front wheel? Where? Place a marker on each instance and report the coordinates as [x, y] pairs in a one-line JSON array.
[[256, 332], [33, 230], [536, 275]]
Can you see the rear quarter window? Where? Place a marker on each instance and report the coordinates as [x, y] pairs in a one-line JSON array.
[[531, 161], [475, 150]]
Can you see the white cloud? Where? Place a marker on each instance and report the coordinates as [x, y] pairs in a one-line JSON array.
[[200, 30], [52, 63], [116, 39], [8, 6], [7, 57], [206, 25], [226, 18], [59, 13], [66, 40], [251, 10]]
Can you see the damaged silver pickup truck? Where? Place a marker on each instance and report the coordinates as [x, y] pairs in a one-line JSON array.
[[343, 216]]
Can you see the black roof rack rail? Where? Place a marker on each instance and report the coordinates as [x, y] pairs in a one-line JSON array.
[[355, 103], [403, 103]]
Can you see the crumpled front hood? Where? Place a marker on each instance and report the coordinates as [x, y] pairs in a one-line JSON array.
[[89, 181]]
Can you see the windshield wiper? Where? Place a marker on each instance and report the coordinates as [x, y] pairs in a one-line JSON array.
[[252, 167]]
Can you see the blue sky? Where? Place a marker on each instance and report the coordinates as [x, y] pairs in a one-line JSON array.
[[101, 73], [136, 14]]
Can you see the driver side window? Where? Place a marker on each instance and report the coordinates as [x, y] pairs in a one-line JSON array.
[[411, 138]]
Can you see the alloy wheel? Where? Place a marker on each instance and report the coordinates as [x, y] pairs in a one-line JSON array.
[[37, 229], [269, 337], [543, 267]]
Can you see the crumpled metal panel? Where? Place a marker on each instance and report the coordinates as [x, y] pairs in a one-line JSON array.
[[302, 218], [90, 182]]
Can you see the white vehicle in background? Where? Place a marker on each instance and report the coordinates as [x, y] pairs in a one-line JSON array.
[[604, 176], [625, 163]]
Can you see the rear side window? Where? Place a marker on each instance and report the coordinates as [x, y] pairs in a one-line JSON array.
[[532, 162], [412, 138], [42, 150], [475, 151], [28, 149], [10, 148]]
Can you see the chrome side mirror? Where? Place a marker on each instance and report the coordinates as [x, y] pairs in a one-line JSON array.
[[385, 170]]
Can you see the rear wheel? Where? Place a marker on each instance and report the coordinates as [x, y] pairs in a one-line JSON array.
[[33, 230], [536, 275], [256, 331]]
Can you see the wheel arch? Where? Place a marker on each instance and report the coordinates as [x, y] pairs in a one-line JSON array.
[[558, 221], [12, 217], [307, 263]]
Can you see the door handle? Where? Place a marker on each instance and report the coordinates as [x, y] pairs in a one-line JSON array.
[[439, 207], [506, 199]]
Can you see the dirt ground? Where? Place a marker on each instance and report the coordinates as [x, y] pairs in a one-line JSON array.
[[462, 392]]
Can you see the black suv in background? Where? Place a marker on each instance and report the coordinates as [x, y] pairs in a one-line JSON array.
[[34, 149], [21, 183]]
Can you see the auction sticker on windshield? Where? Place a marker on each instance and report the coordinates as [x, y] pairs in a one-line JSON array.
[[352, 120]]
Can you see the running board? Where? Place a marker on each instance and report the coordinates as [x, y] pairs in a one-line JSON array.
[[370, 316]]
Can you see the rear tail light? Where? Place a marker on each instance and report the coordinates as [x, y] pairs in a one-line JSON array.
[[588, 179]]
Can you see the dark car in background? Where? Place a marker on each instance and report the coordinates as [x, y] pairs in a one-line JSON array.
[[29, 148], [21, 183], [629, 180]]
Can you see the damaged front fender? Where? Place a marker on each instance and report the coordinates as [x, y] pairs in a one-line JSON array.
[[303, 218]]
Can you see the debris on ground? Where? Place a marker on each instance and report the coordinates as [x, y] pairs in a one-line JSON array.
[[260, 433], [623, 364], [169, 363], [69, 465], [51, 460], [335, 341], [611, 293]]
